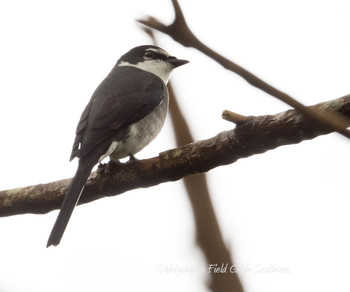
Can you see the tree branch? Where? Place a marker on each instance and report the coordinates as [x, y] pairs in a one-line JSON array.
[[181, 33], [208, 233], [209, 236], [255, 135]]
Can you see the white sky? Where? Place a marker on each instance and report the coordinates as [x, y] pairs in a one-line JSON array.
[[287, 208]]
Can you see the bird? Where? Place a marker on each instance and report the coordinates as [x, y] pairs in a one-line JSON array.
[[125, 113]]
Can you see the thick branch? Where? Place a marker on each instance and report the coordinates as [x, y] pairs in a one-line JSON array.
[[181, 33], [254, 136]]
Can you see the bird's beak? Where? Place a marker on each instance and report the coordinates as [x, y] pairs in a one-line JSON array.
[[176, 62]]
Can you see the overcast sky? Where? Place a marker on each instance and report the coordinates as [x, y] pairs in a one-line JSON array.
[[287, 208]]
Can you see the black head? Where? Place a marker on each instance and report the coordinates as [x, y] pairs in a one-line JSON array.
[[151, 59], [148, 52]]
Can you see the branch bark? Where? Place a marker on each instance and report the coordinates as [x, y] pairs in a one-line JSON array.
[[181, 33], [253, 136]]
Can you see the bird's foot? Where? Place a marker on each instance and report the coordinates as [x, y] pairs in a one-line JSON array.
[[111, 166], [132, 157]]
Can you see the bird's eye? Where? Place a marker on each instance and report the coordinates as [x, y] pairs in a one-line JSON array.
[[150, 54]]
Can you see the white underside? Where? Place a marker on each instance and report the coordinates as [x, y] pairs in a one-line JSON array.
[[140, 134]]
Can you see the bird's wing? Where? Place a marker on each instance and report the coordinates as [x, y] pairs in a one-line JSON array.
[[79, 133], [116, 104]]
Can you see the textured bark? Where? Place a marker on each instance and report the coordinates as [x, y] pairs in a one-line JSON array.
[[255, 135]]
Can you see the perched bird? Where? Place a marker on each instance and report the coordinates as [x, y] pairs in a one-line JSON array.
[[125, 113]]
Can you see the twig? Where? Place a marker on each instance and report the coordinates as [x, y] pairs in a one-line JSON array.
[[233, 117], [256, 135], [181, 33]]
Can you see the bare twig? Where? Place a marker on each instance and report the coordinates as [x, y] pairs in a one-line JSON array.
[[233, 117], [256, 135], [181, 33]]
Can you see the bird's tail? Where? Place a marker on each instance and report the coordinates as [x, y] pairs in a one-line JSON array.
[[69, 202]]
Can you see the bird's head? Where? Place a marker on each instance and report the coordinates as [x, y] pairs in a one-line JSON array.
[[151, 59]]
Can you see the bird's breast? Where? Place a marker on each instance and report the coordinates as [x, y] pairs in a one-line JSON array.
[[140, 133]]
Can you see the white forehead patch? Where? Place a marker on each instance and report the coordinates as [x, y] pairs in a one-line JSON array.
[[160, 68]]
